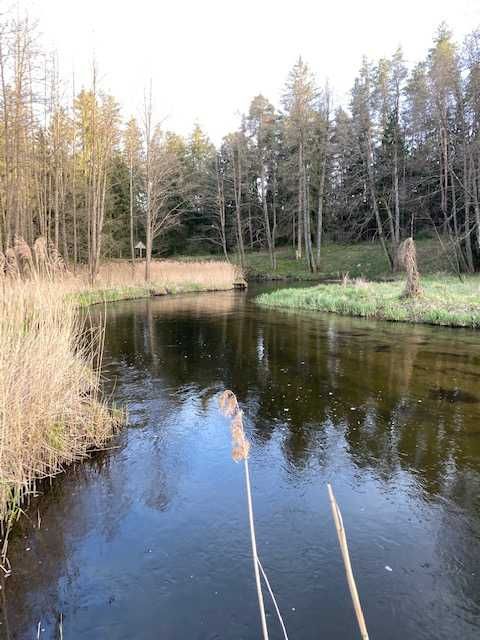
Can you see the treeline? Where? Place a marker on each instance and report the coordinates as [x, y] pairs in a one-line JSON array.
[[401, 160]]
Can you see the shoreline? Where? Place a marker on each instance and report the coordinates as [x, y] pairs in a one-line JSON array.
[[445, 302], [88, 298]]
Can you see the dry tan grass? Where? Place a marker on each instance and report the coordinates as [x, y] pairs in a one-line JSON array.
[[214, 275], [45, 263], [50, 411], [342, 539], [121, 280]]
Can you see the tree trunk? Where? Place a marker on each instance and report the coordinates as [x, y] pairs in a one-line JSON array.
[[373, 195], [237, 186], [132, 239], [298, 254], [321, 190], [266, 218]]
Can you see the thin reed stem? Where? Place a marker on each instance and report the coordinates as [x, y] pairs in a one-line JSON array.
[[240, 450], [342, 539], [256, 561], [277, 609]]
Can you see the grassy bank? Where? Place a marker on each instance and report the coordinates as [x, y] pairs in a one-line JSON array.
[[363, 259], [445, 301]]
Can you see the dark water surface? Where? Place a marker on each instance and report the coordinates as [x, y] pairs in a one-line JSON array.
[[150, 539]]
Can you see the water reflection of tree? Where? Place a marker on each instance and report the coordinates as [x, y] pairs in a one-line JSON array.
[[379, 389], [41, 555], [371, 382]]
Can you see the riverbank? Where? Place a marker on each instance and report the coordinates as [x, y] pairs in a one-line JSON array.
[[51, 407], [120, 281], [445, 301], [359, 260]]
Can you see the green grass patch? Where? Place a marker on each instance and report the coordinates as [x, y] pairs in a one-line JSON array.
[[98, 296], [362, 259], [445, 301]]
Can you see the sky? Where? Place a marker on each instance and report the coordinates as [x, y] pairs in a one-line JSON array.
[[206, 59]]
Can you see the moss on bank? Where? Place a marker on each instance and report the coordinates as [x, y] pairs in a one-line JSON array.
[[445, 301]]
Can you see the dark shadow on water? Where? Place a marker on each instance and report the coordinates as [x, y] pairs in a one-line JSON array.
[[453, 395]]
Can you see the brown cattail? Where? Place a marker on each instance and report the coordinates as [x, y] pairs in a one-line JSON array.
[[11, 265], [24, 256], [41, 255], [228, 403], [407, 259], [240, 449], [240, 444], [57, 263], [229, 407]]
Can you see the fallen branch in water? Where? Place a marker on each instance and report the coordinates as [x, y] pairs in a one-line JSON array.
[[342, 539]]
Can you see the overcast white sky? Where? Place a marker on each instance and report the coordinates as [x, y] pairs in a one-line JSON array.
[[208, 58]]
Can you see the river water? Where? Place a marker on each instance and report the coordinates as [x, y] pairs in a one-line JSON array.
[[150, 539]]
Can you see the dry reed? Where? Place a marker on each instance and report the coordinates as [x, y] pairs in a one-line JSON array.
[[274, 600], [115, 279], [50, 408], [214, 275], [407, 258], [240, 450], [342, 539]]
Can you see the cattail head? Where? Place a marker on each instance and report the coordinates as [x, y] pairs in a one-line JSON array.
[[228, 403], [229, 407], [40, 253], [24, 256], [11, 264], [240, 444], [57, 263]]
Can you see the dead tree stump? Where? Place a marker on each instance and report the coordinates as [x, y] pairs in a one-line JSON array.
[[407, 259]]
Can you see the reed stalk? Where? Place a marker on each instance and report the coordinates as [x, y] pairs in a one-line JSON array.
[[256, 561], [240, 451], [274, 600], [342, 539]]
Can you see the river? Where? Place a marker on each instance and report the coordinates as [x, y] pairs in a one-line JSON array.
[[149, 540]]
